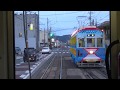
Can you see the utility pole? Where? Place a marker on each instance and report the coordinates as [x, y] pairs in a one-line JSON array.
[[26, 29], [96, 23], [50, 39], [47, 29], [92, 22], [37, 30], [44, 36], [47, 24], [90, 18], [26, 38], [24, 26]]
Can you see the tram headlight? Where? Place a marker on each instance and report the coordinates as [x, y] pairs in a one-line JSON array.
[[93, 35], [88, 35], [91, 52]]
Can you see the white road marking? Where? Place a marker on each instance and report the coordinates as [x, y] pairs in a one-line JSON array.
[[31, 68], [27, 71], [36, 67], [17, 64], [22, 76], [36, 63]]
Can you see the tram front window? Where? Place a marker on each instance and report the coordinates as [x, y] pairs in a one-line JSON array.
[[81, 42], [90, 42], [99, 42]]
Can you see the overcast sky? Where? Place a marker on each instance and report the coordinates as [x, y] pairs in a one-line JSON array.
[[65, 22]]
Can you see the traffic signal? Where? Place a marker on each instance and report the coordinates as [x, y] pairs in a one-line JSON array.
[[51, 34], [31, 26]]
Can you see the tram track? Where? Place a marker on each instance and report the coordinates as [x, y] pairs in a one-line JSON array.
[[86, 74], [46, 70], [91, 74], [60, 66], [39, 72], [95, 73], [54, 68], [103, 72]]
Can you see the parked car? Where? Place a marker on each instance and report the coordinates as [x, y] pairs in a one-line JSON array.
[[17, 50], [32, 55], [46, 50]]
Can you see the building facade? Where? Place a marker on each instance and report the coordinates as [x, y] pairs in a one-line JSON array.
[[43, 37], [33, 35]]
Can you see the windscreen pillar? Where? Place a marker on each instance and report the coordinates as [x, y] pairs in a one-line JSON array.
[[115, 35], [6, 45]]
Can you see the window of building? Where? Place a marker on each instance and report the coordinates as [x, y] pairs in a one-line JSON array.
[[20, 34]]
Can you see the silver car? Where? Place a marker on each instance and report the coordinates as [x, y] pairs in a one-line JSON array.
[[46, 50], [17, 50]]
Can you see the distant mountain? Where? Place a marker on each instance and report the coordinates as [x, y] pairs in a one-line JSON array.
[[63, 38]]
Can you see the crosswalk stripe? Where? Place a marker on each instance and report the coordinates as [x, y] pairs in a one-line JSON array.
[[17, 64], [22, 75], [27, 71]]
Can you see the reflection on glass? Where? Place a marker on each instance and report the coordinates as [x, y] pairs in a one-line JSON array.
[[90, 42], [99, 42], [81, 42]]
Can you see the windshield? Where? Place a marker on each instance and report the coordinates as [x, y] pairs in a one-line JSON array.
[[90, 42], [30, 50], [99, 42], [45, 48], [81, 42]]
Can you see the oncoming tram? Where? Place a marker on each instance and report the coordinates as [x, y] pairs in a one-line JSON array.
[[87, 47]]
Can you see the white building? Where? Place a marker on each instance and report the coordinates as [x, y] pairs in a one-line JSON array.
[[33, 35], [57, 43], [43, 37]]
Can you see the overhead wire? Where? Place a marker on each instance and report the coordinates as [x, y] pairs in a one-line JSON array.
[[62, 29], [84, 13], [103, 18], [62, 13]]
